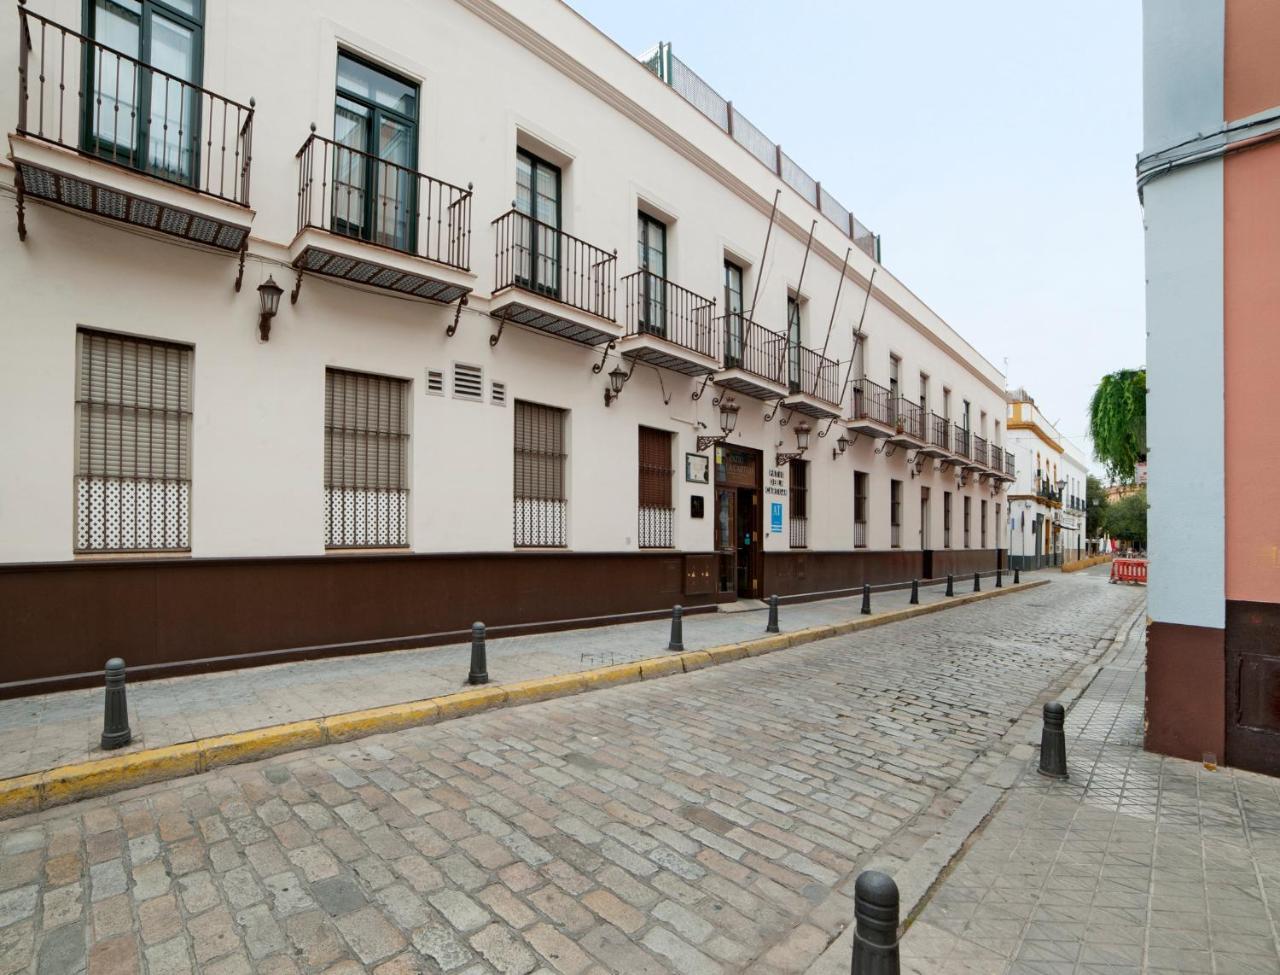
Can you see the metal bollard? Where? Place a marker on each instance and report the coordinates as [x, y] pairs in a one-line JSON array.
[[977, 582], [915, 592], [875, 914], [677, 628], [1016, 580], [115, 715], [866, 599], [479, 666], [773, 615], [1053, 742], [999, 579], [951, 588]]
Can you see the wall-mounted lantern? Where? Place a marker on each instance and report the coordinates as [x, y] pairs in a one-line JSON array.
[[728, 421], [617, 379], [269, 295], [802, 444], [842, 444]]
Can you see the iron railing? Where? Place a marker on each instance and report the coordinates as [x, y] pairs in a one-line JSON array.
[[979, 450], [908, 418], [960, 442], [354, 193], [129, 113], [813, 373], [544, 260], [871, 401], [1009, 466], [657, 306], [859, 534], [799, 532], [752, 348], [939, 432]]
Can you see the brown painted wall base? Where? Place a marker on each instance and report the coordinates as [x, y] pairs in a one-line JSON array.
[[1253, 686], [1185, 691], [802, 571]]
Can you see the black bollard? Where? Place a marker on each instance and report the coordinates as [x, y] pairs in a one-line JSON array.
[[115, 715], [479, 666], [977, 582], [866, 599], [677, 628], [999, 580], [1016, 580], [875, 914], [1053, 742], [773, 615], [915, 592], [951, 588]]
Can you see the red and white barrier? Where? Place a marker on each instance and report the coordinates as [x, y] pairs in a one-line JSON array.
[[1129, 570]]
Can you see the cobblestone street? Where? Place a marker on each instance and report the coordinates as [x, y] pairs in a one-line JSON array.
[[709, 822]]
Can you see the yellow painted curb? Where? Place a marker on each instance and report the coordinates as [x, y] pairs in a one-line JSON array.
[[31, 793]]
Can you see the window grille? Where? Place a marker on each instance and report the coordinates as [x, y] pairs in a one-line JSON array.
[[946, 519], [656, 472], [799, 474], [967, 511], [366, 464], [541, 509], [133, 448], [895, 514], [982, 523], [859, 510]]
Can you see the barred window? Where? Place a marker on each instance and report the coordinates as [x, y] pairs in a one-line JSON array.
[[656, 471], [968, 504], [541, 509], [895, 514], [982, 522], [859, 509], [133, 444], [366, 460], [799, 475], [999, 528], [946, 519]]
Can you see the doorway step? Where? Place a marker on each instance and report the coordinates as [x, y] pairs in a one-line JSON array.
[[742, 606]]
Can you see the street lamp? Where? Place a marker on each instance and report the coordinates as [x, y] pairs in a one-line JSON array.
[[802, 444], [728, 421], [269, 297], [842, 444], [617, 379]]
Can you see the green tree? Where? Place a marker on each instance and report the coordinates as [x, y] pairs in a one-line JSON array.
[[1126, 519], [1095, 506], [1118, 422]]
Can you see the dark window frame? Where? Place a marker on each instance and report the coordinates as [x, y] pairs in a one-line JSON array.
[[536, 244], [653, 309]]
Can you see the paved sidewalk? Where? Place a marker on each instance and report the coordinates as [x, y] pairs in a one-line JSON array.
[[1137, 864], [50, 730]]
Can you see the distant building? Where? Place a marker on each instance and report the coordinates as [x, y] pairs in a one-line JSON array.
[[1047, 499], [1209, 181]]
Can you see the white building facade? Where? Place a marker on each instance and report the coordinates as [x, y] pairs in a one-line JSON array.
[[340, 343], [1046, 523]]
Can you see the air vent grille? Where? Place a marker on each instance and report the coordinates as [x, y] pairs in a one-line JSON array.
[[468, 382]]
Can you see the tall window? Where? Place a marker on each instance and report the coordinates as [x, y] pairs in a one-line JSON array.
[[656, 472], [375, 123], [652, 241], [799, 476], [366, 460], [982, 523], [859, 510], [895, 368], [946, 403], [134, 115], [924, 396], [541, 506], [999, 527], [538, 248], [733, 314], [895, 514], [793, 343], [964, 416], [133, 444], [946, 519], [968, 504]]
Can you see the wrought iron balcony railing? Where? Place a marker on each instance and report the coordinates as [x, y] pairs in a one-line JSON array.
[[908, 418], [813, 373], [544, 260], [979, 450], [349, 192], [939, 432], [751, 347], [76, 92], [871, 401], [657, 306], [960, 440], [1009, 466]]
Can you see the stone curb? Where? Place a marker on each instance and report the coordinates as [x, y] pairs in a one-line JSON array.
[[69, 783]]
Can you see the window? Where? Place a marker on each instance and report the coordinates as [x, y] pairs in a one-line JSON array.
[[733, 314], [537, 252], [946, 519], [968, 504], [133, 444], [946, 403], [859, 510], [145, 119], [924, 395], [375, 183], [996, 438], [982, 523], [895, 367], [895, 514], [652, 241], [366, 460], [999, 528], [793, 343], [656, 471], [799, 475], [982, 424], [964, 417], [541, 508]]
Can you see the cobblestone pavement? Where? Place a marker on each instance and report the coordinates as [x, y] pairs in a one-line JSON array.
[[45, 731], [1137, 864], [711, 822]]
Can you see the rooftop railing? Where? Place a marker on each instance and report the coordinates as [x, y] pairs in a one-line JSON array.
[[544, 260]]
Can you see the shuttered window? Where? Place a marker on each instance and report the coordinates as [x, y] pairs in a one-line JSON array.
[[541, 508], [859, 510], [982, 523], [133, 444], [895, 514], [799, 477], [946, 519], [366, 460], [968, 508], [655, 472]]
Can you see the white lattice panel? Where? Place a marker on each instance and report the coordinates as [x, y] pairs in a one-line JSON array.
[[125, 514], [655, 527], [358, 518], [540, 522]]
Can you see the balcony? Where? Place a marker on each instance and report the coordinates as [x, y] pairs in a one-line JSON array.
[[979, 455], [669, 326], [551, 281], [938, 436], [129, 143], [873, 412], [814, 382], [1009, 471], [754, 358], [960, 444], [375, 224], [908, 424]]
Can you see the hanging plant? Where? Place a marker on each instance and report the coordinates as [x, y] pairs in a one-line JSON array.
[[1118, 422]]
